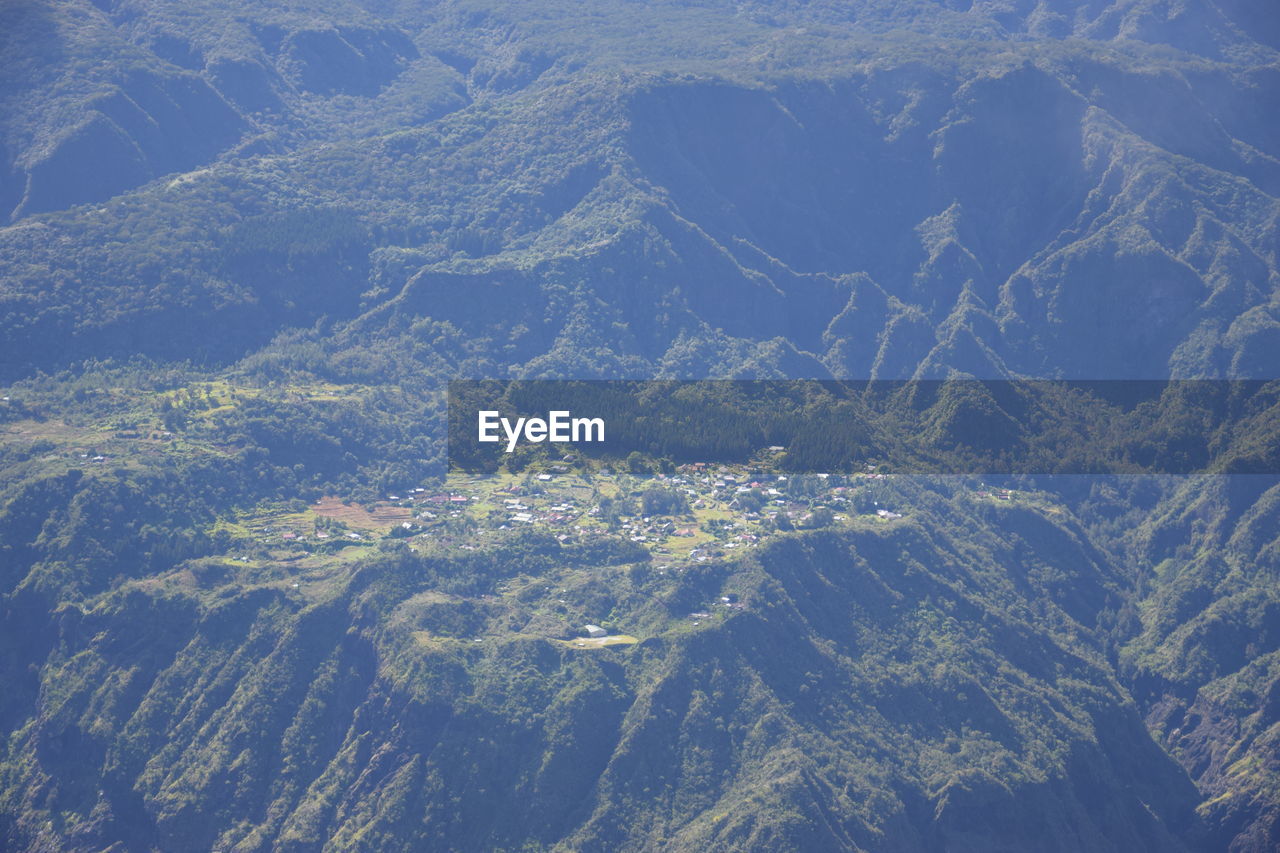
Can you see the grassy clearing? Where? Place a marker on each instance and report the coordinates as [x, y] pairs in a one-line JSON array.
[[56, 431], [427, 640], [599, 642], [382, 516]]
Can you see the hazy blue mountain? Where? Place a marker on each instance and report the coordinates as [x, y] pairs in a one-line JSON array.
[[899, 189]]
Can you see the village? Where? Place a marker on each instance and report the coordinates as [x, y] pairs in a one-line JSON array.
[[676, 520], [673, 518], [679, 514]]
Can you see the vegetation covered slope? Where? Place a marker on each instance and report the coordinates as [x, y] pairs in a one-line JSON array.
[[1203, 666], [669, 189], [905, 686]]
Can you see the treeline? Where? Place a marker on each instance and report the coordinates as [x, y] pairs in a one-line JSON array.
[[76, 533]]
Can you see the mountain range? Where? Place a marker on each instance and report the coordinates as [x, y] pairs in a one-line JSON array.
[[243, 247]]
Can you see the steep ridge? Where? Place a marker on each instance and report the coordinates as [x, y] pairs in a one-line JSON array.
[[935, 684], [978, 242], [1061, 222], [1203, 664]]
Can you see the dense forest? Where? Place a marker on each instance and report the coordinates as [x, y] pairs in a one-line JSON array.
[[245, 604]]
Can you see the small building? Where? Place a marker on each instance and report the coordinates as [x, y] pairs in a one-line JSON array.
[[594, 631]]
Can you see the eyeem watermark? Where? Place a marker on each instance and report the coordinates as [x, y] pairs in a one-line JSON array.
[[558, 426], [962, 426]]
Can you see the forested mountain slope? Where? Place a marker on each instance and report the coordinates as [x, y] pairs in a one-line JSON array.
[[766, 190], [904, 688]]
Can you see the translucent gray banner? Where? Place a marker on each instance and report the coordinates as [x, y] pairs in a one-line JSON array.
[[915, 427]]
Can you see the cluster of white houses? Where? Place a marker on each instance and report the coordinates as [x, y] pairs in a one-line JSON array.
[[728, 507]]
